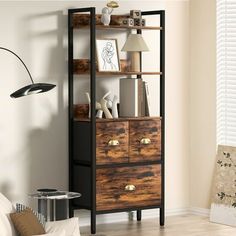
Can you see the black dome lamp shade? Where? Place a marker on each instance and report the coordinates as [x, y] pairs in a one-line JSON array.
[[33, 88]]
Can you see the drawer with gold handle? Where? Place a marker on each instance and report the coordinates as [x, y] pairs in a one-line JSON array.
[[126, 187], [112, 140], [130, 188], [145, 140]]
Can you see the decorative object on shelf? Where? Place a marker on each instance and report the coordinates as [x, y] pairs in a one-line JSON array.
[[106, 12], [107, 55], [113, 4], [103, 106], [98, 107], [143, 22], [135, 44], [135, 14], [132, 100], [128, 22], [147, 99], [112, 104], [32, 88], [223, 207], [139, 22]]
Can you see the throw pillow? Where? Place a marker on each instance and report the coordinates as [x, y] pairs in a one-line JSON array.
[[6, 226], [6, 205], [21, 207], [71, 226], [26, 223]]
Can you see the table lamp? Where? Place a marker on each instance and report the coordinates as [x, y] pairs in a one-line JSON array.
[[32, 88], [135, 44]]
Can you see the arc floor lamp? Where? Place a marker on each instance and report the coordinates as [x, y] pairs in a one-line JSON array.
[[33, 88]]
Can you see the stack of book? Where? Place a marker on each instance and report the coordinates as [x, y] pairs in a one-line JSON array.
[[134, 98]]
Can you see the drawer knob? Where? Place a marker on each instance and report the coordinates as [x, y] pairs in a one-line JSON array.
[[113, 142], [145, 141], [130, 187]]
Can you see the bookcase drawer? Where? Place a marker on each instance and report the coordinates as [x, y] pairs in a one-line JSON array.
[[112, 142], [145, 140], [127, 187]]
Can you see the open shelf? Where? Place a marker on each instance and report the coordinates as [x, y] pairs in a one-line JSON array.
[[81, 67], [118, 119], [81, 112], [81, 21], [122, 27]]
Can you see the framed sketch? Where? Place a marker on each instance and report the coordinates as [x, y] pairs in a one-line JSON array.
[[107, 55]]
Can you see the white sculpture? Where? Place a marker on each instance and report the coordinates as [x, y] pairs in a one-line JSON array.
[[113, 105], [103, 106], [106, 15], [106, 12]]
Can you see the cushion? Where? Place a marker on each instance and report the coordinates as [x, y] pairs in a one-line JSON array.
[[5, 205], [57, 233], [71, 226], [6, 226], [26, 223], [41, 218]]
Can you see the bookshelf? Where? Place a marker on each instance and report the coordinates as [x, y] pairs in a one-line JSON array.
[[118, 165]]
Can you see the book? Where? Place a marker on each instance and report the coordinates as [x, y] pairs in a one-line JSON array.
[[131, 97], [147, 99]]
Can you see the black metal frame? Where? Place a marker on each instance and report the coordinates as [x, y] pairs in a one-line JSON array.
[[92, 164]]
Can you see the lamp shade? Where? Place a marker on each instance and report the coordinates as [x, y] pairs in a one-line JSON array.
[[33, 88], [135, 43]]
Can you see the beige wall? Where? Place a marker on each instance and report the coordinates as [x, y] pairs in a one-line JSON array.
[[202, 100], [33, 139]]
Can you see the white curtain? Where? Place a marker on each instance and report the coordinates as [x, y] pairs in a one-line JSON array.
[[226, 72]]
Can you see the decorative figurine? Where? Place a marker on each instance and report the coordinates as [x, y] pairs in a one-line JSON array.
[[143, 23], [103, 103], [128, 22], [135, 14], [106, 12], [137, 22], [113, 106], [103, 106], [106, 16]]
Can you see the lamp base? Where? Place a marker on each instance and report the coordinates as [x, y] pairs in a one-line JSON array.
[[135, 62]]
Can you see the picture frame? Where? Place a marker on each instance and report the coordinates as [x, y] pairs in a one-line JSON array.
[[107, 55]]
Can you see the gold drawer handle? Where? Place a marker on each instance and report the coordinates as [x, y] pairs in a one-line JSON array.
[[145, 141], [113, 142], [130, 187]]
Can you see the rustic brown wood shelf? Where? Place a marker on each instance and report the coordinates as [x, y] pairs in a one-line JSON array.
[[121, 73], [81, 112], [81, 21], [118, 119], [81, 67], [122, 27]]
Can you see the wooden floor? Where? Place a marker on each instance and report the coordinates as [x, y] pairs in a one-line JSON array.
[[188, 225]]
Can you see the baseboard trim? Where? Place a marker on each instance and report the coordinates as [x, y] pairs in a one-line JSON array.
[[84, 215], [199, 211]]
